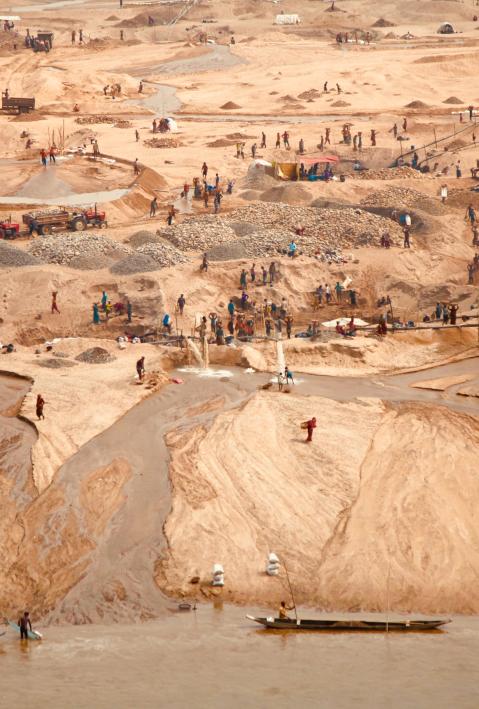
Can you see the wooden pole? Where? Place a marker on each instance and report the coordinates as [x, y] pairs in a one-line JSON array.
[[291, 590], [387, 598]]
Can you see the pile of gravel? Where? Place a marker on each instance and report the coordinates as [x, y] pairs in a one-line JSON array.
[[228, 252], [91, 263], [143, 237], [66, 248], [95, 355], [55, 363], [326, 230], [164, 255], [404, 198], [134, 263], [199, 233], [11, 256], [242, 228]]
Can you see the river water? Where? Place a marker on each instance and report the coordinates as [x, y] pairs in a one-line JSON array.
[[215, 658]]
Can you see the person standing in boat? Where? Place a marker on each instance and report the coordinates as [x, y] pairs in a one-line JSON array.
[[283, 611]]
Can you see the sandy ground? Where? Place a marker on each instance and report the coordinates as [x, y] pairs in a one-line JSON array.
[[352, 514]]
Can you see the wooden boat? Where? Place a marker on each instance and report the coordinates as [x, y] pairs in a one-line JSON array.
[[350, 624]]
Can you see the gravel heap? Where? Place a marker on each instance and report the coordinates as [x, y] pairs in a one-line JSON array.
[[388, 173], [12, 256], [143, 237], [404, 198], [55, 363], [134, 263], [95, 355], [326, 229], [199, 233], [65, 248], [163, 254]]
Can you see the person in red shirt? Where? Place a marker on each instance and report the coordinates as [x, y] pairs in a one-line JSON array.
[[310, 425]]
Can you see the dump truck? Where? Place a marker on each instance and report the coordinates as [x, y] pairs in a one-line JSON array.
[[47, 221], [12, 104]]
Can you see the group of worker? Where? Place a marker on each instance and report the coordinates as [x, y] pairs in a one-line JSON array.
[[105, 306]]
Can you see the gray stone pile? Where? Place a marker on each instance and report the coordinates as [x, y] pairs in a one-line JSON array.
[[404, 198], [13, 257], [164, 255], [63, 249]]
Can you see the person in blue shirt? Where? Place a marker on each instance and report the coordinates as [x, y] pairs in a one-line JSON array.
[[167, 322], [292, 249], [231, 308]]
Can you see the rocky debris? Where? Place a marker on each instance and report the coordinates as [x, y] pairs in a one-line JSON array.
[[11, 256], [55, 363], [389, 173], [66, 248], [134, 263], [121, 123], [91, 120], [165, 255], [162, 143], [199, 233], [340, 104], [404, 198], [95, 355]]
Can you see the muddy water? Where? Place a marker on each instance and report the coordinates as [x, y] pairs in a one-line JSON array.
[[216, 659]]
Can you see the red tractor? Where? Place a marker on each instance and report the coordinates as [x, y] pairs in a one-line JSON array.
[[8, 230]]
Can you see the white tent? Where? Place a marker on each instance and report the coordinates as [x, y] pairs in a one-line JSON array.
[[287, 20]]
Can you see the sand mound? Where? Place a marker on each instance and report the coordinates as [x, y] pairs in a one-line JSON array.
[[340, 104], [95, 355], [229, 105], [250, 195], [454, 100], [383, 23], [10, 256], [134, 263], [221, 143], [239, 136], [391, 35], [287, 194], [416, 104]]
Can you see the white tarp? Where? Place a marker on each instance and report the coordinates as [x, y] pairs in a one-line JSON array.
[[287, 20], [173, 124], [345, 321], [10, 18]]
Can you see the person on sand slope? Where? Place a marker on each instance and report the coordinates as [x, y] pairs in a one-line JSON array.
[[39, 409], [25, 624], [140, 368], [54, 303], [310, 426]]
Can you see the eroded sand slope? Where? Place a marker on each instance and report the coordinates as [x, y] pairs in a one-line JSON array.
[[382, 492]]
